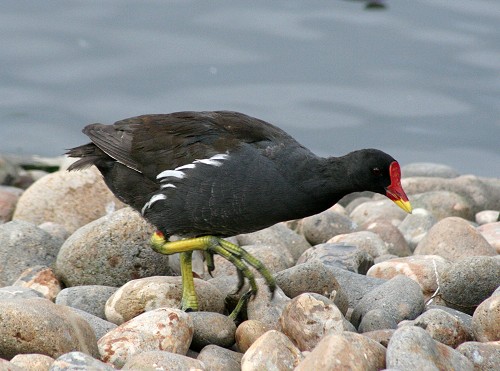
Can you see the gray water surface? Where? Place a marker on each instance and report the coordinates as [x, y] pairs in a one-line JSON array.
[[420, 80]]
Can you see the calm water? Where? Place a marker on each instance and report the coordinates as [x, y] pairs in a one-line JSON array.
[[420, 80]]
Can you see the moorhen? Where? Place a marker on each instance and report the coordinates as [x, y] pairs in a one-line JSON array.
[[204, 176]]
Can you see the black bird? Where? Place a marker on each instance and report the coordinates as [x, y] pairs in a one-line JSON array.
[[209, 175]]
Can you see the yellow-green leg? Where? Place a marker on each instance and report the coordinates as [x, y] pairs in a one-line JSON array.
[[211, 245]]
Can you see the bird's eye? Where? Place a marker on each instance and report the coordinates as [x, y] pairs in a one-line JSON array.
[[376, 171]]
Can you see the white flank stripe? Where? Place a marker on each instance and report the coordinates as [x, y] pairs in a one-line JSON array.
[[188, 166], [220, 156], [175, 173], [213, 160], [168, 185], [153, 199]]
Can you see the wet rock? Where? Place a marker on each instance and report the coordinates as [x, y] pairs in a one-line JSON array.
[[400, 297], [9, 196], [412, 348], [420, 268], [491, 233], [38, 362], [442, 204], [161, 360], [309, 317], [342, 352], [41, 279], [481, 193], [444, 327], [352, 258], [312, 277], [212, 328], [216, 358], [377, 319], [79, 361], [383, 209], [110, 251], [272, 351], [368, 241], [391, 235], [23, 245], [487, 216], [265, 308], [276, 235], [321, 227], [454, 238], [274, 258], [468, 282], [415, 226], [37, 325], [91, 299], [164, 329], [249, 331], [380, 336], [141, 295], [18, 292], [486, 320], [72, 199], [484, 356], [428, 169]]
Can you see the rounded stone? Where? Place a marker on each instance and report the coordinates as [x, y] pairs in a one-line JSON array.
[[72, 199], [265, 307], [91, 299], [383, 209], [412, 348], [9, 196], [377, 319], [342, 352], [400, 297], [466, 283], [309, 317], [444, 327], [41, 279], [110, 251], [23, 245], [33, 361], [491, 232], [79, 361], [454, 238], [36, 326], [484, 356], [368, 241], [391, 235], [141, 295], [312, 277], [276, 235], [321, 227], [272, 351], [487, 216], [220, 359], [442, 204], [160, 360], [249, 331], [423, 269], [486, 320], [415, 226], [212, 328], [352, 258], [165, 329]]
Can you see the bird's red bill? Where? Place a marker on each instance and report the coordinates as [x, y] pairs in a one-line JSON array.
[[395, 191]]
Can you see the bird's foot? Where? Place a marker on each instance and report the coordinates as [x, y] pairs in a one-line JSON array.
[[211, 245]]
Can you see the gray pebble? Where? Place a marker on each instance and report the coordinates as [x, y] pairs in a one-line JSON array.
[[415, 226], [217, 358], [212, 328], [100, 326], [400, 297], [23, 245], [442, 204], [91, 299], [78, 361], [18, 292], [321, 227], [377, 319]]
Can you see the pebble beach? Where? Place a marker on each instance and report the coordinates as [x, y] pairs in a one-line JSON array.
[[361, 286]]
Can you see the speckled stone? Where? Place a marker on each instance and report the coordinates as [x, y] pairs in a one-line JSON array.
[[110, 251], [9, 197], [38, 362], [366, 240], [160, 360], [391, 235], [72, 199], [79, 361], [164, 329], [91, 299], [442, 204], [217, 358], [491, 233], [138, 296], [41, 279], [415, 226], [484, 356], [265, 308], [37, 325], [383, 209], [454, 239], [343, 352], [321, 227], [249, 331], [212, 328], [24, 245], [486, 320]]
